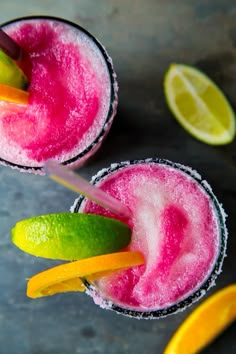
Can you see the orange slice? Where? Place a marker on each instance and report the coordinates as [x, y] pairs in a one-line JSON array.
[[205, 323], [66, 277], [12, 94]]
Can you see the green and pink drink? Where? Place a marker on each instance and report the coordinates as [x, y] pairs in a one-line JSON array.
[[73, 95], [179, 226]]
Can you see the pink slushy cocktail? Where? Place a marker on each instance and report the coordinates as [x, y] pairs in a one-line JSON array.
[[179, 226], [73, 95]]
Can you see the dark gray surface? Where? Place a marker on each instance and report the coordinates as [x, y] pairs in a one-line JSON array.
[[143, 37]]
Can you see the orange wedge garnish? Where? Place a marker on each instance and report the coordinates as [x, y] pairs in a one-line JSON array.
[[66, 277], [205, 323], [12, 94]]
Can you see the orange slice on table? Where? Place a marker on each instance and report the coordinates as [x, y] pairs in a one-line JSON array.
[[12, 94], [66, 277], [204, 324]]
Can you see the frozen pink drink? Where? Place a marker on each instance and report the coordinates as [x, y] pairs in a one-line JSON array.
[[73, 96], [177, 224]]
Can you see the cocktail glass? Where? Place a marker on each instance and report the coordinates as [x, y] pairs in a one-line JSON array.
[[73, 96], [171, 202]]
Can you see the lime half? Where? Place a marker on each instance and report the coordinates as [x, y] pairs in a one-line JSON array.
[[69, 236], [199, 105]]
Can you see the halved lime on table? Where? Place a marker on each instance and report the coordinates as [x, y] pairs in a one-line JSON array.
[[70, 236], [199, 105]]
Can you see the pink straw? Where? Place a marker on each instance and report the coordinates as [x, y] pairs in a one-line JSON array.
[[75, 182], [9, 46]]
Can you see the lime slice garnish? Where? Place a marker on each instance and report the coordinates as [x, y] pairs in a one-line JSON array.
[[199, 105], [11, 74], [69, 236]]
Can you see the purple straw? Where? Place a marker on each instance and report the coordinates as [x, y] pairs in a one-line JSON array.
[[9, 46], [75, 182]]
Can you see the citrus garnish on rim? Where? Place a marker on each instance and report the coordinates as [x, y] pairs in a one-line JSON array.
[[70, 236], [13, 95], [199, 105], [66, 277], [11, 74]]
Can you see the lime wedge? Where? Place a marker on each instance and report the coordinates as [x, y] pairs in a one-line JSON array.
[[69, 236], [11, 74], [199, 105]]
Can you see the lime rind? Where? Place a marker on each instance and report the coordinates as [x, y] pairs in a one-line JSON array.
[[227, 134]]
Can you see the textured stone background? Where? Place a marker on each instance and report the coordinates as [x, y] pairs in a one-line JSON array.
[[143, 38]]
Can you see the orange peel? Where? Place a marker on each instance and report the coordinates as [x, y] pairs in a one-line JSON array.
[[12, 94], [205, 323], [67, 277]]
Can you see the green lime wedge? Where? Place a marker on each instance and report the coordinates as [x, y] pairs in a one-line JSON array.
[[11, 74], [69, 236]]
